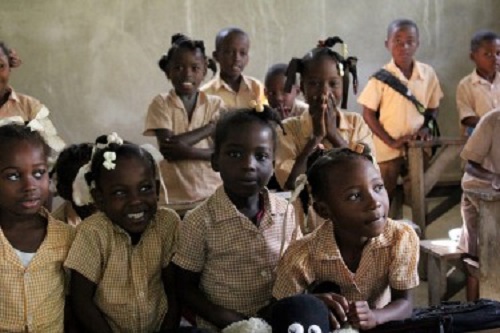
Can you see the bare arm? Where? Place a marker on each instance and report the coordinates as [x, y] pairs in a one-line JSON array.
[[179, 147], [173, 316], [193, 297], [371, 120], [470, 121], [300, 164], [84, 308]]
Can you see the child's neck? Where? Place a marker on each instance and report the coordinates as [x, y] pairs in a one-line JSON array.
[[406, 68], [248, 206], [233, 82], [189, 102], [490, 77], [351, 248], [25, 233]]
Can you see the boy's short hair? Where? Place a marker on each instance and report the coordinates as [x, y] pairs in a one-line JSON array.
[[275, 70], [480, 37], [399, 23], [223, 33]]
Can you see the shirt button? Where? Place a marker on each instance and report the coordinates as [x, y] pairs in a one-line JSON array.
[[141, 294], [263, 273], [26, 276]]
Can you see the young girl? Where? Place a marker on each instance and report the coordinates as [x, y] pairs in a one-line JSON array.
[[369, 259], [321, 73], [68, 163], [229, 246], [183, 121], [232, 46], [14, 104], [33, 245], [121, 277]]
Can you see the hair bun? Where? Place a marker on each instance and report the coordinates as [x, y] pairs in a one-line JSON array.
[[178, 38]]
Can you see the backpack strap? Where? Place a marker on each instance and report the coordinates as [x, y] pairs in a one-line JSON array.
[[392, 81]]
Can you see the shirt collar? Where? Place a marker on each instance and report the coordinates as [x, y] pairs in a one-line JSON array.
[[329, 250], [174, 99], [415, 75], [220, 84], [116, 228], [476, 79], [225, 210], [13, 95]]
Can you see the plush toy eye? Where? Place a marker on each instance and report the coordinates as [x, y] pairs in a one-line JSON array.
[[314, 329], [296, 328]]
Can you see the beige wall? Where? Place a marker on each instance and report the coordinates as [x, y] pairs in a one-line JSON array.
[[93, 62]]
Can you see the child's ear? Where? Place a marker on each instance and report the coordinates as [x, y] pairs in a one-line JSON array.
[[386, 43], [97, 196], [321, 208], [214, 160]]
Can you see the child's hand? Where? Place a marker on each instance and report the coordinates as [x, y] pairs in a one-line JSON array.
[[330, 114], [174, 150], [423, 134], [495, 183], [361, 316], [338, 306], [318, 111], [400, 142]]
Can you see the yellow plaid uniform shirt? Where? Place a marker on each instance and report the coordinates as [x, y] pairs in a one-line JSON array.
[[130, 291], [32, 298], [237, 260], [251, 89], [389, 260]]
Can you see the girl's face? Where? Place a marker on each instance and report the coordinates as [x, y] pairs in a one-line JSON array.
[[186, 70], [321, 78], [245, 159], [355, 200], [24, 180], [127, 194], [4, 71]]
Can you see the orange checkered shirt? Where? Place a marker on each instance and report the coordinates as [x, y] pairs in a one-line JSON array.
[[389, 260], [237, 260], [33, 297], [130, 291]]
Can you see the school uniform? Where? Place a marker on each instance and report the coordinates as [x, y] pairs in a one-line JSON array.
[[352, 128], [188, 182], [476, 96], [250, 89], [483, 148], [66, 213], [33, 294], [397, 114], [236, 258], [130, 291], [389, 260]]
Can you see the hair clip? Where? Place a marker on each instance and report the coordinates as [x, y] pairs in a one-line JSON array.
[[357, 147], [341, 69], [109, 160], [345, 52], [257, 105]]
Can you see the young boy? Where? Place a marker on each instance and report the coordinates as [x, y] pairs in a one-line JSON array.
[[482, 170], [479, 92], [399, 120], [229, 246], [231, 52], [287, 104]]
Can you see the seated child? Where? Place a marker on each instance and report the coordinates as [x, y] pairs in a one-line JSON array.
[[393, 118], [369, 259], [13, 104], [183, 121], [479, 92], [321, 83], [122, 280], [231, 52], [33, 245], [229, 246], [482, 170], [285, 102], [68, 163]]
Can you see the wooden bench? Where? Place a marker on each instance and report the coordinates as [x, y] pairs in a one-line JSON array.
[[489, 242], [441, 255]]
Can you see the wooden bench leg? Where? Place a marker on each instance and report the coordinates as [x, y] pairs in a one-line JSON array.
[[437, 269]]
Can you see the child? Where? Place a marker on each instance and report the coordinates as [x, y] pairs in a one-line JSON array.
[[14, 104], [229, 246], [231, 52], [320, 79], [183, 121], [392, 117], [286, 103], [33, 245], [121, 277], [369, 259], [482, 170], [68, 163], [479, 92]]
